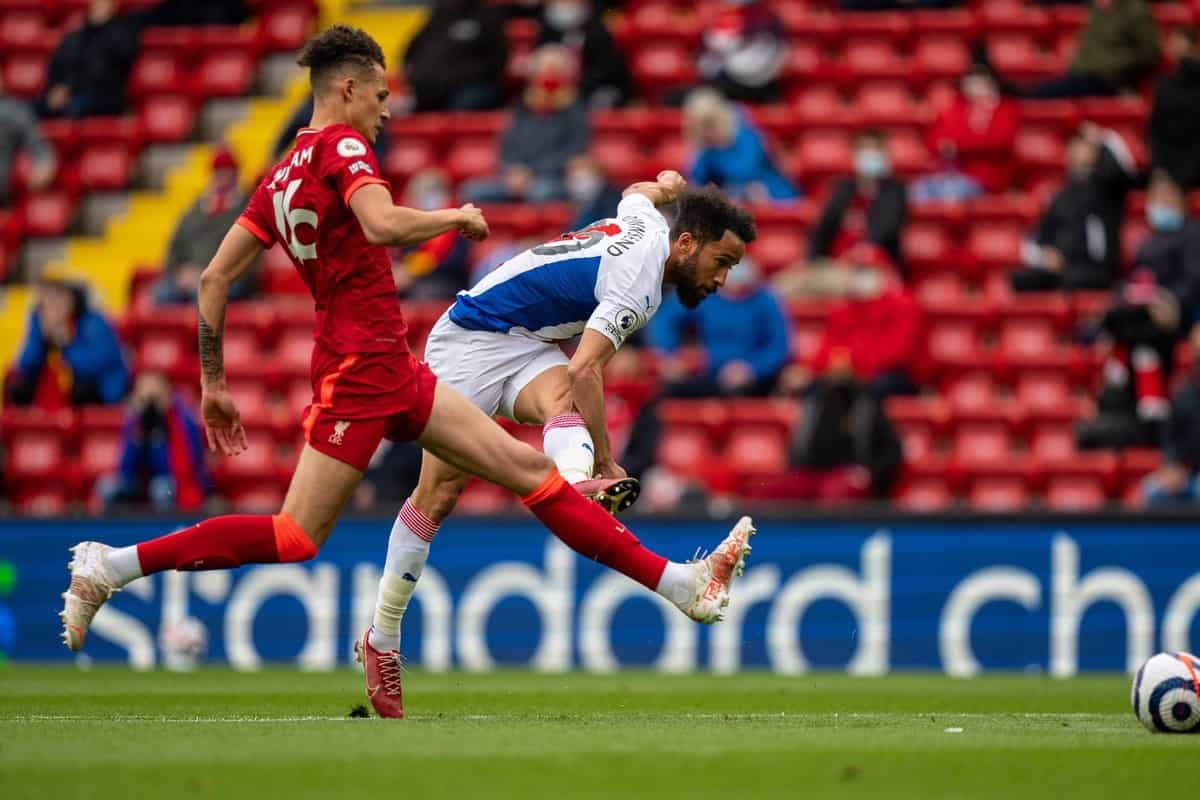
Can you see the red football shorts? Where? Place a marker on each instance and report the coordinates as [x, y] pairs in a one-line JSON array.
[[360, 399]]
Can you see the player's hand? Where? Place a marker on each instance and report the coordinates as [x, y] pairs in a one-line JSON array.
[[222, 423], [471, 223], [610, 469], [672, 180]]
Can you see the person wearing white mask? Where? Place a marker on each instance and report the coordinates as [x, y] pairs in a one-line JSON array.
[[1172, 250], [871, 206], [745, 51], [604, 79]]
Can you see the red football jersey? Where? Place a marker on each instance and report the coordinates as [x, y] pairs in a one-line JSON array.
[[304, 204]]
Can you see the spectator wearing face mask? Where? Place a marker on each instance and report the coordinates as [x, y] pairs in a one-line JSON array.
[[875, 336], [742, 330], [593, 196], [547, 130], [199, 234], [1077, 244], [1172, 250], [456, 61], [730, 152], [1177, 481], [71, 354], [1174, 124], [745, 51], [440, 267], [973, 139], [871, 206], [162, 453], [605, 80]]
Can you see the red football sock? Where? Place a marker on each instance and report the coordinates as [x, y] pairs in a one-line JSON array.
[[225, 542], [591, 531]]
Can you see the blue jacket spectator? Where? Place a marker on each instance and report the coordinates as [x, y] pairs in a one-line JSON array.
[[744, 334], [71, 353], [162, 452], [730, 152]]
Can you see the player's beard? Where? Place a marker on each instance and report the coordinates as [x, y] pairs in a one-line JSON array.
[[687, 286]]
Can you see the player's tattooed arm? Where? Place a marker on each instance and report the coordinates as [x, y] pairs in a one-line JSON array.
[[212, 355]]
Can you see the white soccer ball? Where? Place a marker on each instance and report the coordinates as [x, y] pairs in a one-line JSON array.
[[184, 644], [1166, 693]]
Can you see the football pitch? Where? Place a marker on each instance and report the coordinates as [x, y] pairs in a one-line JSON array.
[[111, 732]]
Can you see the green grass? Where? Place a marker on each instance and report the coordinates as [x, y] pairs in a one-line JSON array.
[[114, 733]]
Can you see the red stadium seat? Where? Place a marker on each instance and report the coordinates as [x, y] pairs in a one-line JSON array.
[[167, 119], [1075, 493], [998, 493], [285, 27], [158, 72], [48, 213], [995, 246], [41, 500], [957, 22], [1013, 16], [659, 66], [924, 494], [407, 156], [909, 155], [708, 416], [224, 74], [866, 58], [117, 130], [472, 158], [1019, 56], [982, 444], [943, 57], [824, 155], [756, 451], [890, 104], [1039, 150], [927, 247], [105, 167], [24, 74], [776, 249], [683, 451], [1027, 340]]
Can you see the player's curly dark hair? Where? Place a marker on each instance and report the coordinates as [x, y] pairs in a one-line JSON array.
[[337, 47], [706, 214]]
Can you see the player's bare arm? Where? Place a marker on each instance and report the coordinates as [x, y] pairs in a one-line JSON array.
[[384, 222], [586, 376], [222, 425], [662, 191]]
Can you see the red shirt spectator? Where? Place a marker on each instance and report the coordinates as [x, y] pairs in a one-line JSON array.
[[977, 131]]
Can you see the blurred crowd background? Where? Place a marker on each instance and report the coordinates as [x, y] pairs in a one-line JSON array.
[[976, 283]]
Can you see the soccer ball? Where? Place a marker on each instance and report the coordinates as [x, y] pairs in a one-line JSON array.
[[1166, 693], [184, 644]]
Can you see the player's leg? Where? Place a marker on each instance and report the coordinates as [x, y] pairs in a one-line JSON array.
[[541, 394], [467, 439], [319, 489], [437, 491]]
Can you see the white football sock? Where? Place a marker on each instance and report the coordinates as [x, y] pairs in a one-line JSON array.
[[676, 582], [566, 441], [123, 564], [408, 549]]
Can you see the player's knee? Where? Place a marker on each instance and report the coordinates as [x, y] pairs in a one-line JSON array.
[[292, 542]]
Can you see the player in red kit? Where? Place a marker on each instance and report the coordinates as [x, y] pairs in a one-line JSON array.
[[326, 204]]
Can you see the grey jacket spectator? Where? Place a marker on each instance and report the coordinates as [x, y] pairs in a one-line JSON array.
[[547, 130], [19, 132], [198, 235], [1078, 240], [870, 207], [745, 50], [457, 60], [605, 80], [1174, 124], [88, 69]]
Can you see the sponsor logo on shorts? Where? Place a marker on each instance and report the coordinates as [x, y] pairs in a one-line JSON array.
[[339, 432], [361, 166]]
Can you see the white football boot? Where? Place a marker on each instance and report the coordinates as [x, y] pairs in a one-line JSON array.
[[714, 575], [91, 586]]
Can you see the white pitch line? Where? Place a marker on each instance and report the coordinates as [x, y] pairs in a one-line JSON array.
[[143, 718]]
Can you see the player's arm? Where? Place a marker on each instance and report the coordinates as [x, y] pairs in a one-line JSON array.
[[662, 191], [384, 222], [586, 376], [237, 252]]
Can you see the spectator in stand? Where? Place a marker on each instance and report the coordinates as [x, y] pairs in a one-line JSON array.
[[1174, 124], [745, 51], [162, 453], [88, 70], [871, 206], [605, 80], [1118, 47], [547, 130], [456, 61], [973, 138], [440, 267], [896, 5], [199, 233], [1177, 481], [742, 330], [19, 132], [71, 354], [593, 196], [1078, 240], [875, 336], [1138, 335], [730, 152]]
